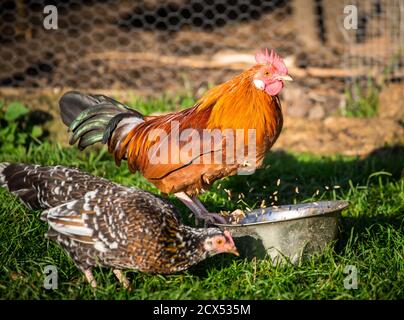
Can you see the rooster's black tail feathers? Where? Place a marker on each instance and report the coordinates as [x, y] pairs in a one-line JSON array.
[[92, 118]]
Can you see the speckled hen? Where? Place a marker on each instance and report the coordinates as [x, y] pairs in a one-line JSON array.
[[101, 223]]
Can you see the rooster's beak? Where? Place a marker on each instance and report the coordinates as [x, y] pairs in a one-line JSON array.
[[285, 78]]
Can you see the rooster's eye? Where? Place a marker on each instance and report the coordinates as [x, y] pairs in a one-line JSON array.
[[219, 242], [266, 73]]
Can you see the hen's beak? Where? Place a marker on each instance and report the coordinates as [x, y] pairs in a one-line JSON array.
[[234, 251], [232, 248], [285, 78]]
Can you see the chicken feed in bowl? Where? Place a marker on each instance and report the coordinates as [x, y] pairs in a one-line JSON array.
[[287, 232]]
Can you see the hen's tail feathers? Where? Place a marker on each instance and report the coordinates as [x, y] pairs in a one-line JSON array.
[[3, 177], [94, 118], [44, 187], [13, 176]]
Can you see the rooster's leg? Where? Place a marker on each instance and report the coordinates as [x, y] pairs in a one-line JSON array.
[[198, 209], [210, 216]]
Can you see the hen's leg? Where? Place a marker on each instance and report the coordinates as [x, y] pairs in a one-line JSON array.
[[90, 278], [198, 209], [122, 278]]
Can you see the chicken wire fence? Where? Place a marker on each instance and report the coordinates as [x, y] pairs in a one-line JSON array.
[[154, 46]]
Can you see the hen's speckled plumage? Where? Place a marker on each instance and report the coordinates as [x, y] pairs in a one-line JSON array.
[[103, 223]]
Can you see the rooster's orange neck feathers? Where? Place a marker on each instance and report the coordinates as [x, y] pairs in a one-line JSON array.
[[237, 104]]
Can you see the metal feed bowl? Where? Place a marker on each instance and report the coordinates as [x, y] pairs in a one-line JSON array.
[[287, 232]]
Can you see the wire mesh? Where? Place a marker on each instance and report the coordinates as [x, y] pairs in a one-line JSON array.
[[157, 46]]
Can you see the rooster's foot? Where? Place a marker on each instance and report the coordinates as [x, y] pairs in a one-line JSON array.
[[211, 218]]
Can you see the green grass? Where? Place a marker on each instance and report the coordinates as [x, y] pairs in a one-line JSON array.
[[371, 237]]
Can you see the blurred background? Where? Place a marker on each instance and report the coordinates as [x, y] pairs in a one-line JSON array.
[[158, 56]]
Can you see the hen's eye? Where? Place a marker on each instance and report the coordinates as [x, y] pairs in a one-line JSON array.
[[266, 73], [219, 242]]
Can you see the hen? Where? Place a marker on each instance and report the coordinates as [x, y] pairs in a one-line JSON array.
[[101, 223], [174, 151]]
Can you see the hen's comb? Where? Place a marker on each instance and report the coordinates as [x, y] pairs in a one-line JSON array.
[[264, 57]]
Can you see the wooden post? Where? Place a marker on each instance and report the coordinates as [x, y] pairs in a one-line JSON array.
[[333, 15], [22, 27], [306, 23]]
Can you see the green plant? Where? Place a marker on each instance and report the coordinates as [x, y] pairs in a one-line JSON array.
[[362, 101], [16, 130]]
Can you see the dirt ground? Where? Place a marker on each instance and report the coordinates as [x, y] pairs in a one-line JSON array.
[[338, 135]]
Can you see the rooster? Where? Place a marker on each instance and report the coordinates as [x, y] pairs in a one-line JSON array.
[[101, 223], [249, 101]]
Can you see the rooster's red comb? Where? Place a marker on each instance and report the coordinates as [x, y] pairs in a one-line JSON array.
[[264, 57]]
